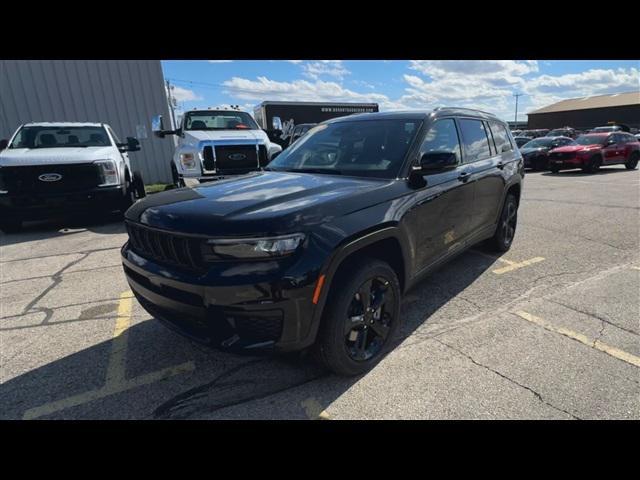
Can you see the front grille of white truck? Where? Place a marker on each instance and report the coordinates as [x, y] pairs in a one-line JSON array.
[[234, 159]]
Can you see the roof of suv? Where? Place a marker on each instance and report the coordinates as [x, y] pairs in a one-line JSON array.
[[418, 114]]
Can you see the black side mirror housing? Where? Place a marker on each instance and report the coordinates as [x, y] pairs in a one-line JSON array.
[[132, 145], [4, 143], [437, 161]]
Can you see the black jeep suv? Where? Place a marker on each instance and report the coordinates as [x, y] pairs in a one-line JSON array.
[[317, 249]]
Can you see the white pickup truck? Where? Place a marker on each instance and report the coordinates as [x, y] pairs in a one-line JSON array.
[[216, 143], [49, 168]]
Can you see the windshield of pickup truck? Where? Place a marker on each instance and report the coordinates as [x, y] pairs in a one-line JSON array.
[[219, 120], [57, 137], [369, 148]]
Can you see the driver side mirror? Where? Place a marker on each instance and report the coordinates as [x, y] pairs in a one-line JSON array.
[[4, 143], [157, 126], [132, 145], [436, 161]]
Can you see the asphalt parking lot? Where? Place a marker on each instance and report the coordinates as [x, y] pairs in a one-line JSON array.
[[550, 330]]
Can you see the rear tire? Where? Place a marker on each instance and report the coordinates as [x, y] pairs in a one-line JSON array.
[[10, 225], [506, 229], [554, 169], [632, 163], [361, 317]]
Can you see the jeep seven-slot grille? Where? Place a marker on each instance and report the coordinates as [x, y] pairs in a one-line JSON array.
[[165, 247]]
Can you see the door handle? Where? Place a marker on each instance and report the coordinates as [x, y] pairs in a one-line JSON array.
[[500, 165], [463, 177]]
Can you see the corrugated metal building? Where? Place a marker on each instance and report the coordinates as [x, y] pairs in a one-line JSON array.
[[589, 112], [123, 93]]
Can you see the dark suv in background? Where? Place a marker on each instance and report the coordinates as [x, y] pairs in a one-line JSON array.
[[317, 249]]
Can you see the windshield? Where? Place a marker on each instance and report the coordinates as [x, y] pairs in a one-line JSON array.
[[591, 140], [56, 137], [604, 129], [219, 120], [539, 143], [374, 148]]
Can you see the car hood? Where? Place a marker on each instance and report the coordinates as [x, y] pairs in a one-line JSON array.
[[260, 203], [528, 151], [576, 148], [195, 136], [51, 156]]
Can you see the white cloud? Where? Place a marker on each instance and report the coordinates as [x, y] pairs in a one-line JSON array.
[[301, 90], [184, 94], [486, 85], [220, 61], [332, 68]]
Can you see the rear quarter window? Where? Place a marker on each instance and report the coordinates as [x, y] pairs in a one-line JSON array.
[[474, 140], [500, 137]]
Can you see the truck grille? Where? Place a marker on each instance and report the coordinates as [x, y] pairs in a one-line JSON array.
[[234, 159], [164, 247], [73, 178]]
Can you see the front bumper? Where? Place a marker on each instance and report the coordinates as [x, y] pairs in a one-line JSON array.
[[566, 163], [41, 206], [240, 307]]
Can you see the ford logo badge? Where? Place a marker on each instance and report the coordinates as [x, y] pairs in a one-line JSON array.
[[50, 177], [237, 156]]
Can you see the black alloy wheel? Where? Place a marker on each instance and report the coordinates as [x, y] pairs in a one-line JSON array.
[[360, 318], [506, 229], [369, 318]]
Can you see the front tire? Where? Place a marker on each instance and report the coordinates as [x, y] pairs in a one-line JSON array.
[[632, 163], [593, 165], [506, 229], [361, 317], [177, 181]]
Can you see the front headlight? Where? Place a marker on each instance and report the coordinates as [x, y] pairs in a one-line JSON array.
[[188, 161], [108, 173], [251, 248]]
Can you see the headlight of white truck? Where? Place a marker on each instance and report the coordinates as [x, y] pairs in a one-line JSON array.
[[188, 161], [108, 172]]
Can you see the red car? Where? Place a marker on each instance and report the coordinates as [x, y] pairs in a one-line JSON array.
[[593, 150]]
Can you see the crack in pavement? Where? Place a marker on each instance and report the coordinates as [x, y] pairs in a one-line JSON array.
[[593, 315], [538, 396], [62, 254], [67, 273]]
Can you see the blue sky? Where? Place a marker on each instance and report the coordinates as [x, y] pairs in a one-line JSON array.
[[399, 84]]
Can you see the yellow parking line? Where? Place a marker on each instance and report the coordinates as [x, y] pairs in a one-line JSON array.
[[117, 360], [115, 379], [314, 410], [514, 266], [597, 344], [106, 391]]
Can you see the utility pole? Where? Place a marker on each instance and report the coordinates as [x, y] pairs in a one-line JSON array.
[[171, 105], [517, 95]]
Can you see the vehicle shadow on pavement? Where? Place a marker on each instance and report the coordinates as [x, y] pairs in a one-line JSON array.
[[221, 385], [580, 173], [58, 227]]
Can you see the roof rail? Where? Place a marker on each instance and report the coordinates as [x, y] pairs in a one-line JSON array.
[[462, 108]]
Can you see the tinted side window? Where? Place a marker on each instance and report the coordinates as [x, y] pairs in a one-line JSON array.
[[474, 139], [500, 136], [442, 137]]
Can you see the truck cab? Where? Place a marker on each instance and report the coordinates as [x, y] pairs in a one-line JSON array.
[[46, 168], [216, 143]]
